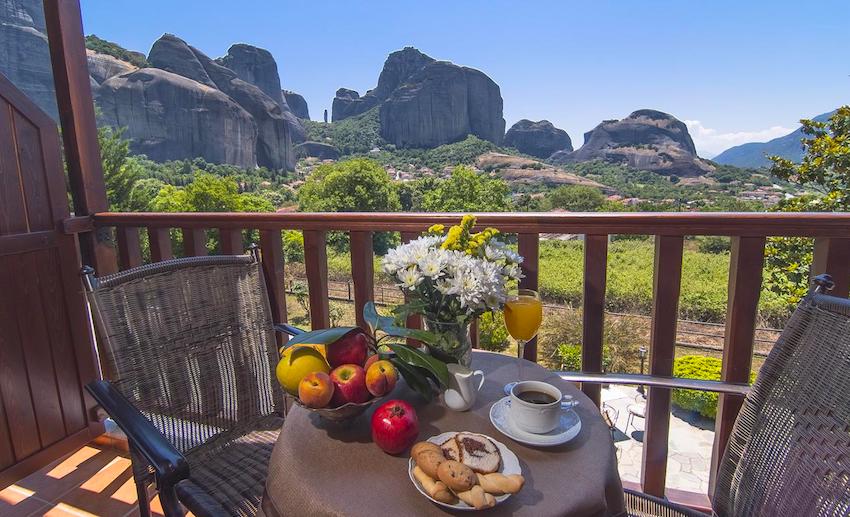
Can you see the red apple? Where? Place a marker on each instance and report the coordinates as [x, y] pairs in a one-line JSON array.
[[381, 377], [349, 385], [395, 426], [315, 390], [351, 348]]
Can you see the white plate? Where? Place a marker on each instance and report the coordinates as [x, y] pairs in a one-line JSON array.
[[568, 428], [510, 465]]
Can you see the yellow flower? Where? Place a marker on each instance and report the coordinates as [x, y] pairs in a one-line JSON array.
[[436, 229], [452, 238]]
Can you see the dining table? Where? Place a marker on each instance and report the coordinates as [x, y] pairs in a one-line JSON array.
[[320, 468]]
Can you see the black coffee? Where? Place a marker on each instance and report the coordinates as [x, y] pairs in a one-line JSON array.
[[536, 397]]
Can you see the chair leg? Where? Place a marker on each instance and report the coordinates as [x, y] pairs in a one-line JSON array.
[[142, 494], [629, 422], [170, 505]]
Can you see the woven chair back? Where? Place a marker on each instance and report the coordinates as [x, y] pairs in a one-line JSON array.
[[191, 343], [789, 452]]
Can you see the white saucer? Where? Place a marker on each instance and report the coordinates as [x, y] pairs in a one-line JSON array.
[[567, 429]]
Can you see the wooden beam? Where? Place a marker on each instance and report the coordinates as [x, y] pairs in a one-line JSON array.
[[271, 245], [129, 250], [160, 242], [832, 256], [316, 266], [667, 279], [593, 310], [81, 224], [231, 241], [746, 264], [529, 247], [79, 131], [194, 242], [363, 273]]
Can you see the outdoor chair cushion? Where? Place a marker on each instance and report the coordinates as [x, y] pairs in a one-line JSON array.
[[229, 478]]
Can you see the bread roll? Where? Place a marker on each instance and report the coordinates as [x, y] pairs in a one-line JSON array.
[[424, 446], [477, 498], [436, 489], [457, 476], [498, 484], [429, 461]]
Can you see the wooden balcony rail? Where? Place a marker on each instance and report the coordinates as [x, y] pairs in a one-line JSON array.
[[831, 232]]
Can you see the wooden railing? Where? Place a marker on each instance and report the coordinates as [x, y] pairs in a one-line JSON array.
[[748, 231]]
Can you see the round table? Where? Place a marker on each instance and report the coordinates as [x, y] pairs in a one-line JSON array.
[[322, 469]]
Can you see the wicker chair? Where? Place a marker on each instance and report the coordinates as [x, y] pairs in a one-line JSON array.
[[189, 349], [789, 452]]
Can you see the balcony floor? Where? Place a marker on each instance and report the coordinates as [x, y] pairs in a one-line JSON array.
[[94, 480]]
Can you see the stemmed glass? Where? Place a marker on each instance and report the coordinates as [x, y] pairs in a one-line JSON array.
[[523, 315]]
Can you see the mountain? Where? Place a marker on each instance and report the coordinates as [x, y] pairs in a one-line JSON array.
[[646, 139], [424, 103], [754, 154], [24, 53], [539, 139]]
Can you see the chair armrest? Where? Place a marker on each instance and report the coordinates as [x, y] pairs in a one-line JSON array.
[[728, 388], [169, 464], [288, 329], [638, 503]]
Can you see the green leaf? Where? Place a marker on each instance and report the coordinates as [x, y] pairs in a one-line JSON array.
[[374, 320], [319, 337], [419, 335], [416, 358], [415, 378]]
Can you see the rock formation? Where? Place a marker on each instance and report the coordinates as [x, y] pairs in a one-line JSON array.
[[256, 66], [273, 141], [426, 103], [317, 150], [171, 117], [540, 139], [24, 53], [297, 104], [646, 139], [103, 66]]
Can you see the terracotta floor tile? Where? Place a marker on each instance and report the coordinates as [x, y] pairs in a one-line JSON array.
[[17, 501], [68, 473], [104, 493]]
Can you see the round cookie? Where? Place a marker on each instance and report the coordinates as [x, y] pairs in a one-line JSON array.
[[457, 476]]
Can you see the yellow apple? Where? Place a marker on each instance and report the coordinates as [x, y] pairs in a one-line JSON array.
[[297, 362]]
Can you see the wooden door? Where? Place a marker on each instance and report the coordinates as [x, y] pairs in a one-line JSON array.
[[46, 353]]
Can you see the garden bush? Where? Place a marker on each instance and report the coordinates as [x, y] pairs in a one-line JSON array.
[[492, 334], [703, 368]]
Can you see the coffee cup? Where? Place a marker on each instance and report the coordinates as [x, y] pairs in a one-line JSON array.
[[535, 406]]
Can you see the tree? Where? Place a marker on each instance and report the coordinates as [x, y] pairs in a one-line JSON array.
[[467, 191], [354, 185], [825, 173], [576, 198], [120, 170], [208, 193]]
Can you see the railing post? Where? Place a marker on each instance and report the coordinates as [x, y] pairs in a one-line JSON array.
[[129, 250], [231, 241], [667, 279], [160, 242], [79, 131], [271, 246], [316, 267], [833, 256], [363, 273], [194, 242], [529, 247], [593, 310], [746, 264]]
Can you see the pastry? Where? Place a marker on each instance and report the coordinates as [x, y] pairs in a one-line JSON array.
[[436, 489], [478, 452], [450, 449], [424, 446], [477, 498], [498, 484], [457, 476]]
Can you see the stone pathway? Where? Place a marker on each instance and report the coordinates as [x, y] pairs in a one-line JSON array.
[[690, 443]]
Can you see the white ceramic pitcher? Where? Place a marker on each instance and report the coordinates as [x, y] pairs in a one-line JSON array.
[[462, 390]]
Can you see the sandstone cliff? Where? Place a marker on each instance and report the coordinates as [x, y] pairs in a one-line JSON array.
[[24, 53], [540, 139], [297, 104]]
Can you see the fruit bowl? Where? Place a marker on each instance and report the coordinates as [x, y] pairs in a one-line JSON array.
[[343, 413]]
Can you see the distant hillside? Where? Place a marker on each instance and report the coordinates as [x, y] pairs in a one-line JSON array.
[[754, 154]]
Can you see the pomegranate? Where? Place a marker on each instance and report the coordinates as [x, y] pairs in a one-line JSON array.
[[395, 426]]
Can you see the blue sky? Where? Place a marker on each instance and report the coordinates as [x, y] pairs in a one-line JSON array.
[[736, 71]]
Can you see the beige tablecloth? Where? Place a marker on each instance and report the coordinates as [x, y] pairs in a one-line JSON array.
[[319, 469]]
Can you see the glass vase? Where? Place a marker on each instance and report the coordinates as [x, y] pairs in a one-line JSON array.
[[454, 345]]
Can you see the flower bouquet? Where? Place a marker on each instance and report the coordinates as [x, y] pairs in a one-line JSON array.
[[450, 278]]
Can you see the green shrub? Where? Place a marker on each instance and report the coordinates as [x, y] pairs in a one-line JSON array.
[[563, 329], [293, 246], [492, 334], [703, 368], [115, 50], [713, 244], [569, 357]]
